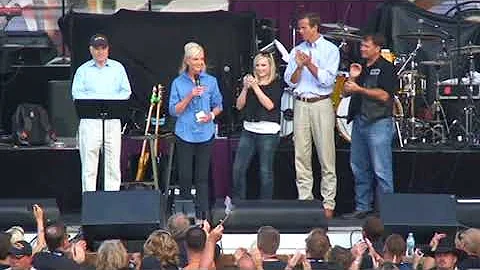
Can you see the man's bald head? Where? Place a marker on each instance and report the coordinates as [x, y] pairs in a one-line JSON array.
[[55, 236]]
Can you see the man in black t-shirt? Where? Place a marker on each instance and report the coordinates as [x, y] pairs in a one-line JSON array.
[[371, 87], [57, 257]]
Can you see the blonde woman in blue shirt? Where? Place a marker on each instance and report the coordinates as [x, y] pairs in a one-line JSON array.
[[195, 101]]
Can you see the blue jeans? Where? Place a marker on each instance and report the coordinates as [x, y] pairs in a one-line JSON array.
[[371, 159], [265, 145]]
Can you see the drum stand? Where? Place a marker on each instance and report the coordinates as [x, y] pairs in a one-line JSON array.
[[440, 128], [470, 108], [411, 120], [399, 131]]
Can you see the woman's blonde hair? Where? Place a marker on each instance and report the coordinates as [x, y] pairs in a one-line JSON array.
[[273, 69], [111, 255], [190, 49], [163, 247]]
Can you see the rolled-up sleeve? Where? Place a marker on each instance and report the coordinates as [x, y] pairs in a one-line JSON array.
[[291, 67], [217, 100], [124, 90], [77, 84], [174, 99]]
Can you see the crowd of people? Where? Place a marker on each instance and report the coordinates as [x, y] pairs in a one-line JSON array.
[[182, 245], [195, 100]]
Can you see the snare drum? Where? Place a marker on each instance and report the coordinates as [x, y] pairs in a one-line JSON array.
[[345, 129], [412, 83]]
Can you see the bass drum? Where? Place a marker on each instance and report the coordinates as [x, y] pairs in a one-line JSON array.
[[286, 113], [345, 129]]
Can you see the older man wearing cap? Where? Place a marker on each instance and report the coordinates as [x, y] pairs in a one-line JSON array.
[[21, 256], [100, 78], [445, 254]]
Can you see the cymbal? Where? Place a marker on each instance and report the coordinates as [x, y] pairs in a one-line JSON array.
[[340, 26], [469, 49], [435, 63], [419, 35], [340, 35]]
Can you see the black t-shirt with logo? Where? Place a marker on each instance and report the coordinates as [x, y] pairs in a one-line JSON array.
[[380, 75]]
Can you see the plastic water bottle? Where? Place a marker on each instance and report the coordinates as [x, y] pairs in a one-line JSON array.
[[410, 245]]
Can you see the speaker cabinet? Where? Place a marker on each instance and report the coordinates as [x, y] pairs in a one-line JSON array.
[[19, 212], [422, 214], [288, 216], [126, 215]]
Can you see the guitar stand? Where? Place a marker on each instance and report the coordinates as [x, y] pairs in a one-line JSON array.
[[153, 143]]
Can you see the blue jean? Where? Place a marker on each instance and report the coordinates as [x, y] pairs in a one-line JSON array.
[[265, 145], [371, 159]]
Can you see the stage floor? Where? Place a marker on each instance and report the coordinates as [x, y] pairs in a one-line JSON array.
[[46, 172]]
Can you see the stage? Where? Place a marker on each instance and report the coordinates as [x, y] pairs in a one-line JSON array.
[[54, 172]]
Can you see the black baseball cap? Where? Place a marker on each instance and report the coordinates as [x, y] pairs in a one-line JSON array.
[[99, 40], [21, 248]]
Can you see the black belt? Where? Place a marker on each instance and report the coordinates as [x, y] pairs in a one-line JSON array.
[[312, 99]]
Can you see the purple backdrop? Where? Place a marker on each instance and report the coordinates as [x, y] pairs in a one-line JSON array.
[[283, 12]]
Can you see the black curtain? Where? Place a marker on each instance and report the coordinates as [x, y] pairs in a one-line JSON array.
[[150, 46]]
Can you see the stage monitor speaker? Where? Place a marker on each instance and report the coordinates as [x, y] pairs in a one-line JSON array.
[[61, 109], [468, 212], [288, 216], [126, 215], [421, 214], [19, 212]]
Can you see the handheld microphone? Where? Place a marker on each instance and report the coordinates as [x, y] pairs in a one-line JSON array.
[[197, 80]]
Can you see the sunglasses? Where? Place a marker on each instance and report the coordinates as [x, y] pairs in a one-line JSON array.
[[18, 257]]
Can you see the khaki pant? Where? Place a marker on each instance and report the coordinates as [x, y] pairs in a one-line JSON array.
[[315, 120], [90, 143]]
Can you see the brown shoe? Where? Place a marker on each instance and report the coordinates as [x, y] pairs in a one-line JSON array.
[[328, 213]]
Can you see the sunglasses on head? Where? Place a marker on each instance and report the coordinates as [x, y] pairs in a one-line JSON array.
[[266, 54]]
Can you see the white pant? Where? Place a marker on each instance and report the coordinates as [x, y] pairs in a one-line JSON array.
[[90, 143]]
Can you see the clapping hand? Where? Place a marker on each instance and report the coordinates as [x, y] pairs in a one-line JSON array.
[[249, 81], [351, 87], [302, 59], [355, 71]]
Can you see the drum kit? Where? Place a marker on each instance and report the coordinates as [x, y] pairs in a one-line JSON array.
[[432, 127]]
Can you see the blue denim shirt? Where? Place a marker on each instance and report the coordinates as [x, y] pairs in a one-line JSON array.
[[107, 82], [187, 127]]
